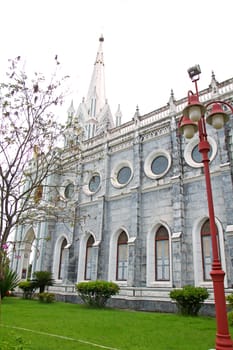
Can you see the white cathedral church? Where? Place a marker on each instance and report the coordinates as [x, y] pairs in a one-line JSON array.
[[135, 197]]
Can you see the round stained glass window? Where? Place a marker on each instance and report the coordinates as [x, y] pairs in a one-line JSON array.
[[69, 191], [94, 183], [159, 165], [197, 156], [124, 175]]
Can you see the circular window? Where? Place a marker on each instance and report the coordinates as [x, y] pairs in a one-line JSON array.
[[192, 155], [121, 174], [94, 183], [124, 175], [197, 156], [157, 164], [69, 191]]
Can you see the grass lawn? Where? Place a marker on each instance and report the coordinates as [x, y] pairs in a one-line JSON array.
[[64, 326]]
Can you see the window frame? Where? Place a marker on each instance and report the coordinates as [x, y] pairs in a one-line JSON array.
[[150, 159], [189, 149], [61, 258], [122, 242], [87, 181], [150, 258], [162, 239], [115, 171], [197, 253], [97, 188], [205, 232], [89, 256], [65, 189]]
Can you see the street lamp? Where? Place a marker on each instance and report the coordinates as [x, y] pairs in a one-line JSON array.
[[195, 116]]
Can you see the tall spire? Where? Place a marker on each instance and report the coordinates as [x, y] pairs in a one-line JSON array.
[[118, 116], [96, 98], [94, 114]]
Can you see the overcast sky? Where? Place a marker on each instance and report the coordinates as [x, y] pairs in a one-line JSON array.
[[148, 46]]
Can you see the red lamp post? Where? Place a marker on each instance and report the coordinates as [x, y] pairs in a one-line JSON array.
[[194, 119]]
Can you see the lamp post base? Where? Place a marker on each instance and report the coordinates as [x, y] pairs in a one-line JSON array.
[[223, 342], [223, 339]]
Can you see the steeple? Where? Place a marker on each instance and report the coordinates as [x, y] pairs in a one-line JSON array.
[[96, 98], [214, 85], [70, 113], [171, 103], [118, 116], [94, 114]]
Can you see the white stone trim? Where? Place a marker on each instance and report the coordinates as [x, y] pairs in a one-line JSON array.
[[113, 256], [149, 159], [197, 253], [63, 188], [82, 254], [176, 235], [150, 258], [87, 180], [190, 146], [132, 240], [27, 248], [57, 254], [115, 171], [229, 230]]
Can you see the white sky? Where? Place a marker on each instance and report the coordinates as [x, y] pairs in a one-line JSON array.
[[148, 47]]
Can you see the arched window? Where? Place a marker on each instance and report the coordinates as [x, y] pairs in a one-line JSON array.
[[162, 255], [89, 258], [62, 260], [122, 257], [206, 248]]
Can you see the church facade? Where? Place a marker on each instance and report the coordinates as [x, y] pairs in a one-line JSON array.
[[131, 201]]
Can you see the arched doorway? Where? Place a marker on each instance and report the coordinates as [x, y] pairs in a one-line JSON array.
[[29, 254]]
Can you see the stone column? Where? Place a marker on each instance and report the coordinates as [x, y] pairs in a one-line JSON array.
[[131, 262]]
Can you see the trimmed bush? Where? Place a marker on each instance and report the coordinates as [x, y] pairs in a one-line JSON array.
[[189, 299], [28, 288], [46, 297], [96, 293]]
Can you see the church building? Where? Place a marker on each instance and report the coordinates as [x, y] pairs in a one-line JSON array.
[[131, 202]]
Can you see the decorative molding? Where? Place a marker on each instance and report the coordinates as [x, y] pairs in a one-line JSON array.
[[176, 235], [229, 230]]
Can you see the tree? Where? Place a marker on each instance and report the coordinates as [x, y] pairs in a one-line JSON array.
[[42, 279], [28, 134], [9, 282], [10, 278]]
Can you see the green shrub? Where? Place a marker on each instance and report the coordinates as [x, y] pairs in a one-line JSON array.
[[189, 299], [8, 281], [96, 293], [230, 318], [46, 297], [28, 288], [42, 279], [229, 299]]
